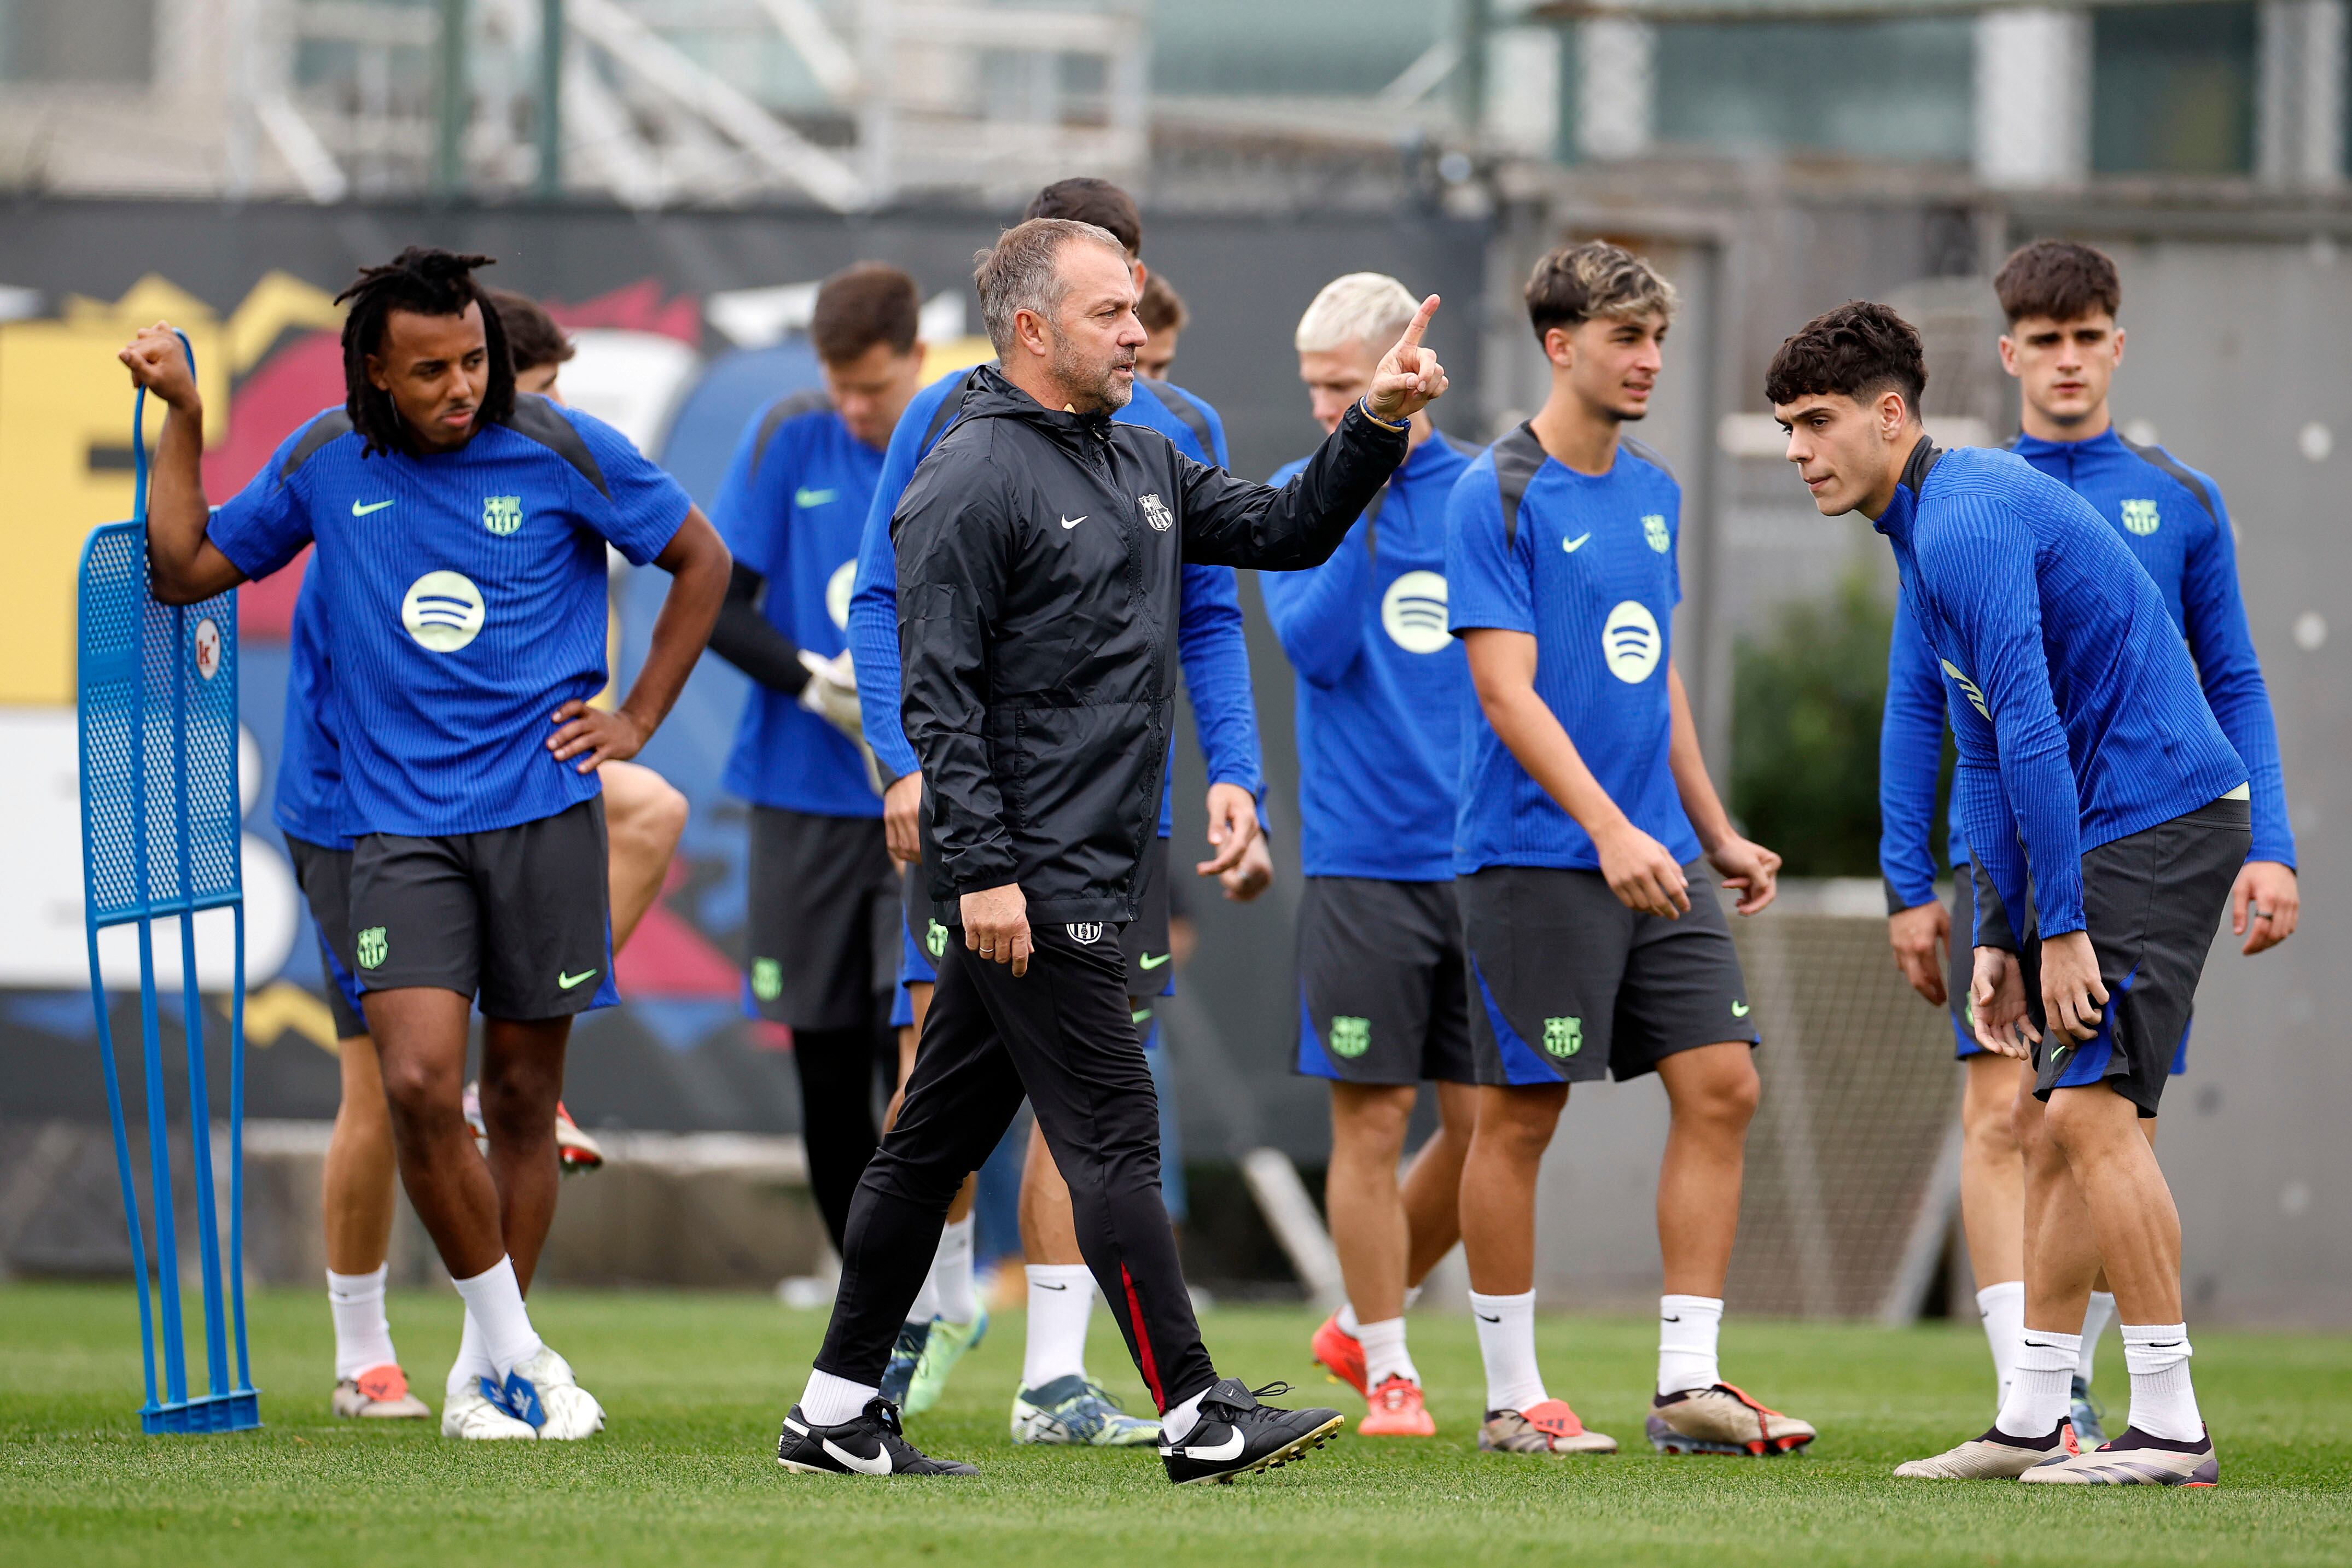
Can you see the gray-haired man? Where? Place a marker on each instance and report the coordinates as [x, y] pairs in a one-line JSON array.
[[1038, 550]]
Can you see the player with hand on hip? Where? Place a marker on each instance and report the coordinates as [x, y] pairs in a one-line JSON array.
[[645, 817], [468, 750]]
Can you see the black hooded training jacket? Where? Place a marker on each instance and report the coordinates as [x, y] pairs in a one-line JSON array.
[[1037, 600]]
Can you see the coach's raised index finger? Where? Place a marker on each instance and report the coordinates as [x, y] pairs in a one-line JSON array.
[[1411, 338]]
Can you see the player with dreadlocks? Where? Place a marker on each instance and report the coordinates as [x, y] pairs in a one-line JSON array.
[[461, 532]]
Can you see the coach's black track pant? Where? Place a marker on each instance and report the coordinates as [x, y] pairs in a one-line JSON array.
[[1062, 1034], [836, 1071]]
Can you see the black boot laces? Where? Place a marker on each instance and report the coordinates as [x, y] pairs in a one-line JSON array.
[[1235, 1410]]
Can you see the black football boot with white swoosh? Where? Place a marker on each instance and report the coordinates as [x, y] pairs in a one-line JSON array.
[[872, 1444], [1236, 1435]]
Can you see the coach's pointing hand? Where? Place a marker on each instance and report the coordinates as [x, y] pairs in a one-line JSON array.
[[996, 926], [1410, 379]]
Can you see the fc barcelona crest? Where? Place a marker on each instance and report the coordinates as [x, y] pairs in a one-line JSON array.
[[1156, 513], [1563, 1037]]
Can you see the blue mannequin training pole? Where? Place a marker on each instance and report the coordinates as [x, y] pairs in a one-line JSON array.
[[162, 826]]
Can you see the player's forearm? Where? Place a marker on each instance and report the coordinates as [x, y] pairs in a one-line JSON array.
[[1318, 615], [1534, 735], [873, 649], [698, 566], [182, 565], [1214, 655], [747, 640], [2242, 705], [1701, 804]]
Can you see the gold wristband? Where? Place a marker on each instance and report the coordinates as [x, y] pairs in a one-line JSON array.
[[1364, 405]]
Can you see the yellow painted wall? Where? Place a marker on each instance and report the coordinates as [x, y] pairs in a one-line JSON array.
[[62, 396]]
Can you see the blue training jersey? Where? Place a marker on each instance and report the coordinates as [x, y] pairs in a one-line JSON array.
[[2073, 697], [1209, 639], [2172, 519], [1585, 564], [791, 509], [463, 601], [1382, 681], [310, 794]]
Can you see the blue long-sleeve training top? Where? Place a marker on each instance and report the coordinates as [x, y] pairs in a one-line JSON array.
[[1209, 637], [2073, 697], [1382, 682], [2173, 520]]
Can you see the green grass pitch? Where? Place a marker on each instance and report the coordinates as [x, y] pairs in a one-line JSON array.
[[695, 1385]]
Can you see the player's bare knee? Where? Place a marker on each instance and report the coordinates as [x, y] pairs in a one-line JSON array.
[[1991, 1127], [1724, 1099], [1518, 1126], [1370, 1119], [419, 1092]]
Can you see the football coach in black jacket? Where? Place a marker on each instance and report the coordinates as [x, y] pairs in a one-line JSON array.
[[1038, 547]]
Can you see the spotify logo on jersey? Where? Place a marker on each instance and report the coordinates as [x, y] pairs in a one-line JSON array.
[[1630, 642], [1413, 612], [836, 594], [443, 611]]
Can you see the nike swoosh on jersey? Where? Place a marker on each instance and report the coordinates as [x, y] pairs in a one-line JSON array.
[[1231, 1448], [808, 497], [360, 511], [879, 1465], [1074, 522], [568, 981], [1739, 1009], [1571, 544], [1145, 960]]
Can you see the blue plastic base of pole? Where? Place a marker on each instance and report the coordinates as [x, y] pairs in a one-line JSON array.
[[238, 1412]]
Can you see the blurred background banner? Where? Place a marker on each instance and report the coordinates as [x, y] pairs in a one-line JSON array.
[[673, 177]]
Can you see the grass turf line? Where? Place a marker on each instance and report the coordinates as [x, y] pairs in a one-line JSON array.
[[696, 1384]]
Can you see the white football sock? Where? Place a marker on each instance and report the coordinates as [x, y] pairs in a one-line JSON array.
[[1176, 1422], [1506, 1343], [494, 1301], [828, 1401], [1688, 1326], [2095, 1319], [1061, 1304], [951, 1273], [2163, 1404], [2042, 1381], [1411, 1296], [473, 1362], [1384, 1352], [2002, 1307], [926, 1304], [363, 1336], [1345, 1318]]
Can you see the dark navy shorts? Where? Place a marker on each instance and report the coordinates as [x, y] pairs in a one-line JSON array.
[[1384, 993], [1566, 984], [324, 875], [516, 918], [2152, 903]]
